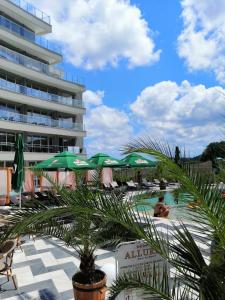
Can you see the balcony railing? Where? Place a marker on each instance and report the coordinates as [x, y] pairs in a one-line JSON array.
[[36, 65], [32, 10], [31, 92], [10, 147], [24, 60], [39, 120], [28, 35]]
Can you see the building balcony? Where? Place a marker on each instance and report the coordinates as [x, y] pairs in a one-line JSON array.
[[36, 65], [26, 14], [44, 96], [41, 79], [15, 126], [10, 147], [28, 35], [26, 46], [29, 8], [39, 120], [29, 156]]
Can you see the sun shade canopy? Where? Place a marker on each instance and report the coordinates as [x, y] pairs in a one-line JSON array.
[[105, 161], [65, 160], [134, 160]]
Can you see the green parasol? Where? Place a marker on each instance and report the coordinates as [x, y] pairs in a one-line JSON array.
[[18, 166], [65, 160], [105, 161], [134, 160]]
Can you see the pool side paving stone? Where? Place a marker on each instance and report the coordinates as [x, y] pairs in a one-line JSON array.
[[44, 270]]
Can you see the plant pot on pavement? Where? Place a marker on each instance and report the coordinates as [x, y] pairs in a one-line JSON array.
[[162, 185], [89, 291]]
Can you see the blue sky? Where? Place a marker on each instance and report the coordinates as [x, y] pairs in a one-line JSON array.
[[166, 22], [152, 68]]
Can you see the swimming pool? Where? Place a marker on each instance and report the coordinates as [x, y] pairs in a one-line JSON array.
[[178, 205]]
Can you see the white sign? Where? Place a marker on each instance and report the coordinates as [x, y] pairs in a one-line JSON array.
[[141, 161], [137, 258], [111, 162], [80, 162]]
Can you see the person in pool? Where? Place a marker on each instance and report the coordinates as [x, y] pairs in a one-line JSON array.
[[161, 210]]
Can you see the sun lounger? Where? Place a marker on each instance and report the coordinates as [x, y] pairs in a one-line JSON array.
[[147, 184], [106, 186], [156, 181], [114, 184], [165, 181], [45, 198], [131, 185], [173, 184]]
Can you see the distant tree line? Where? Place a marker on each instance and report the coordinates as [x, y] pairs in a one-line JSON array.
[[213, 151]]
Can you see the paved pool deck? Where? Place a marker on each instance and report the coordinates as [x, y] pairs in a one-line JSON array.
[[44, 270]]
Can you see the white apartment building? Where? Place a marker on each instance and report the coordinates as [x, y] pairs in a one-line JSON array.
[[37, 98]]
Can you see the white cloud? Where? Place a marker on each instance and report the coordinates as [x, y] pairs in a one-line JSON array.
[[182, 114], [93, 98], [202, 41], [108, 129], [98, 33]]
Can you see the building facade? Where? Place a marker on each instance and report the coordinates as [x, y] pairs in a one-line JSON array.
[[37, 98]]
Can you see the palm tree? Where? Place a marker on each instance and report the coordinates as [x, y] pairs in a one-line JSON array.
[[77, 229], [192, 273], [177, 155], [72, 224], [195, 274]]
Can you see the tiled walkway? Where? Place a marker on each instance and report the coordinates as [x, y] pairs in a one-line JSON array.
[[44, 270], [45, 267]]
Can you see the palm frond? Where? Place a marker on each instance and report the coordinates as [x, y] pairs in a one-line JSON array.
[[212, 209], [163, 153], [155, 284], [182, 253]]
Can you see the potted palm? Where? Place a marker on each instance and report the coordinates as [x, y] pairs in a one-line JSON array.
[[88, 283], [77, 229]]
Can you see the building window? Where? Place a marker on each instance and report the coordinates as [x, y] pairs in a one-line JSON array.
[[37, 182], [7, 141], [66, 142], [39, 143], [2, 137]]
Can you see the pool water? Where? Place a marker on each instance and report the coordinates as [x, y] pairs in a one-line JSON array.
[[178, 206], [150, 203]]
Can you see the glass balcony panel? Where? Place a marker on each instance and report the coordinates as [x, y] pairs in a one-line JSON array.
[[7, 146], [36, 65], [31, 9], [28, 35], [28, 91], [65, 124], [37, 120]]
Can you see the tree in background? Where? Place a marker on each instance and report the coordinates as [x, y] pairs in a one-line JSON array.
[[212, 152], [177, 156]]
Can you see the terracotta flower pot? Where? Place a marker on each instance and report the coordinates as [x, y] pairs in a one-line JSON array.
[[94, 291]]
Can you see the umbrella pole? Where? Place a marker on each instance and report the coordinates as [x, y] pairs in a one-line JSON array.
[[20, 201]]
